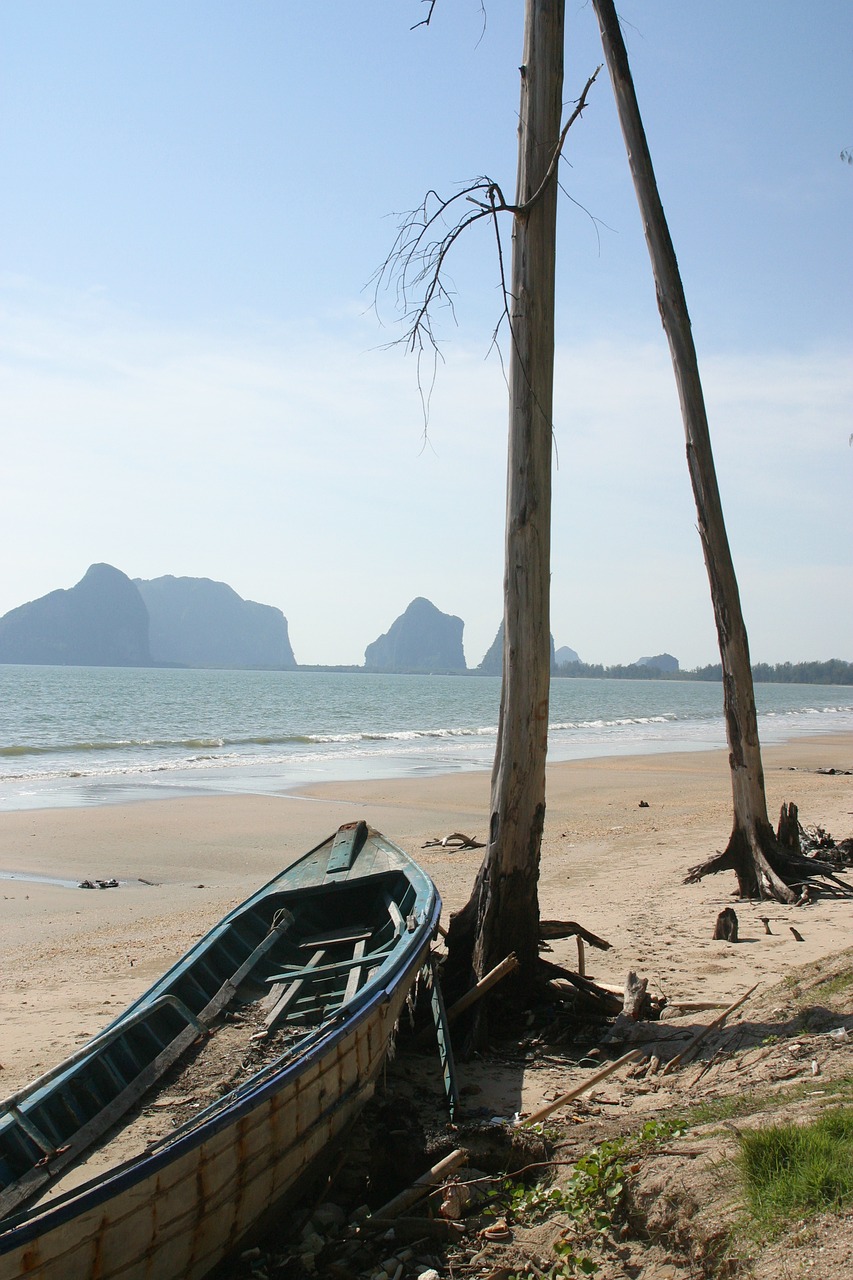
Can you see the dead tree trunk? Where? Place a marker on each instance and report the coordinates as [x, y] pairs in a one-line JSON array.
[[503, 912], [752, 851]]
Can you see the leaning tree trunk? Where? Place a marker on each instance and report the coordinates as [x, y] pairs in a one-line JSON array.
[[751, 851], [503, 912]]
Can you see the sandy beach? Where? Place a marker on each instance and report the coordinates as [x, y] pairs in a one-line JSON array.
[[72, 958]]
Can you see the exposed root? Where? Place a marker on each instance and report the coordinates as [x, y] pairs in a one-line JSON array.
[[769, 866]]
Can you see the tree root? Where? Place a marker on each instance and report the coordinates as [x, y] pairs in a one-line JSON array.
[[769, 866]]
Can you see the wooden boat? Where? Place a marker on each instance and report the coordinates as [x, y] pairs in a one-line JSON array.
[[314, 970]]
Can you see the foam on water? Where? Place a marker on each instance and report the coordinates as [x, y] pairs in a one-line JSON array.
[[92, 735]]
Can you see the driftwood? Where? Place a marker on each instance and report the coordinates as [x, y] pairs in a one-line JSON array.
[[697, 1006], [687, 1052], [485, 984], [597, 1001], [637, 1006], [566, 1098], [457, 840], [636, 996], [552, 930], [425, 1183]]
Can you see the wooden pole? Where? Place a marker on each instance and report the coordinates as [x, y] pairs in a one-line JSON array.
[[425, 1183], [697, 1039], [485, 984], [565, 1098], [474, 994], [750, 805], [508, 910]]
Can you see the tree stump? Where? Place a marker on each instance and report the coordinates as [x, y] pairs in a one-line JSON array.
[[788, 832], [725, 930], [636, 997]]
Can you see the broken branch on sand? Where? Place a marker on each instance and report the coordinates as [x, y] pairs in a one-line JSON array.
[[706, 1031], [566, 1098], [457, 840], [422, 1187], [552, 930]]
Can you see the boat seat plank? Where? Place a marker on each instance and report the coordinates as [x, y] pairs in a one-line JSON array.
[[328, 970], [395, 913], [356, 973], [291, 987], [354, 933]]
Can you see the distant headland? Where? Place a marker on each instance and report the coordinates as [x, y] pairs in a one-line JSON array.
[[110, 620]]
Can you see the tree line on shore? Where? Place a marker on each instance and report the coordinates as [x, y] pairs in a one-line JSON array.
[[835, 671]]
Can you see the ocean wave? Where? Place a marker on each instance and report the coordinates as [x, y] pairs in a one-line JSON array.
[[352, 728], [207, 746], [108, 745], [621, 722]]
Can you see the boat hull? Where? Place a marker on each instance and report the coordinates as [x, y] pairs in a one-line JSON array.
[[179, 1210]]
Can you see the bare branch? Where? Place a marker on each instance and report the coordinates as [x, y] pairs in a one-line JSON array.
[[417, 260], [424, 22], [416, 265], [555, 158]]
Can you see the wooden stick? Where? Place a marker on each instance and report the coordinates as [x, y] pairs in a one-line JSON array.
[[485, 984], [697, 1006], [565, 1098], [418, 1228], [552, 930], [425, 1183], [581, 961], [610, 987], [697, 1039]]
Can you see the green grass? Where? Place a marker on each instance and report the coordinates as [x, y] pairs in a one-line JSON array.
[[795, 1171], [738, 1105], [835, 986], [819, 990]]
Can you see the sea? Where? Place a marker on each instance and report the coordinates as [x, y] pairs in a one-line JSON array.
[[72, 736]]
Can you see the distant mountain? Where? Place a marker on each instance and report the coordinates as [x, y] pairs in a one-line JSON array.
[[100, 622], [565, 654], [663, 662], [421, 639], [196, 622], [492, 664], [107, 620]]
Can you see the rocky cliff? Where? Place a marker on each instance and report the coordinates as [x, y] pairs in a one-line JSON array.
[[564, 654], [421, 639], [492, 664], [100, 622], [663, 662], [196, 622]]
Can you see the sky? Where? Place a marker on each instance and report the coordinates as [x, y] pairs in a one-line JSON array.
[[198, 377]]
